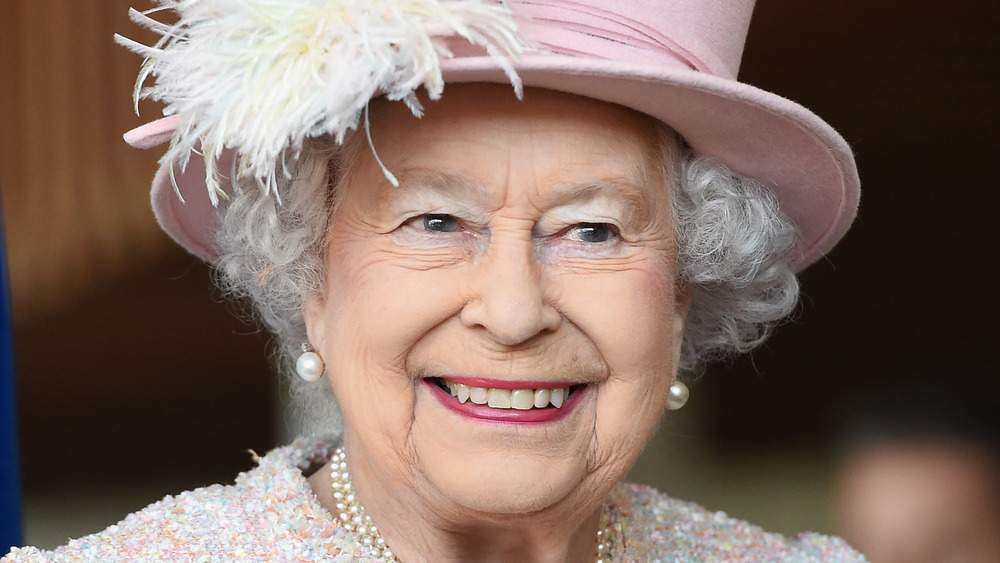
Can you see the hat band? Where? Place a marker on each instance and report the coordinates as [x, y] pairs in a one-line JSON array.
[[570, 28]]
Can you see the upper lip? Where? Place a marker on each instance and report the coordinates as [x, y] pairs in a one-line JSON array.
[[491, 383]]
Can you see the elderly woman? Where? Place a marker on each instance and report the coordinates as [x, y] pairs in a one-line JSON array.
[[487, 294]]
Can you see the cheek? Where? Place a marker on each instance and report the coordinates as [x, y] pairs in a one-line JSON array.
[[628, 314], [380, 305]]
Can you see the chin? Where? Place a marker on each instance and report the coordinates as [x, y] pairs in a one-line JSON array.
[[502, 468], [505, 484]]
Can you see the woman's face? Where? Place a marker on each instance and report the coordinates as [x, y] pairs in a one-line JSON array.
[[527, 252]]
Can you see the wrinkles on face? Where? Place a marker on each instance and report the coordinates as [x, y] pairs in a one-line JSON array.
[[525, 243], [559, 357]]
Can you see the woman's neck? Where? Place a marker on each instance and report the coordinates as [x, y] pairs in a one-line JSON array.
[[518, 539], [419, 525]]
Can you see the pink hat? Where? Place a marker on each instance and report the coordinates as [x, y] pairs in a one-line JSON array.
[[675, 60]]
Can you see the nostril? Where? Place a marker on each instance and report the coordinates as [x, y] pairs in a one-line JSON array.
[[510, 301]]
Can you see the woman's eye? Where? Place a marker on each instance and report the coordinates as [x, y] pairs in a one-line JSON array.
[[436, 230], [593, 232], [439, 223]]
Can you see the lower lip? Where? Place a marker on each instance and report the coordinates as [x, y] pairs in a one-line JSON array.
[[510, 416]]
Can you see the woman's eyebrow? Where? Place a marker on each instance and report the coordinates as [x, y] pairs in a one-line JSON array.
[[459, 187], [467, 189], [634, 200]]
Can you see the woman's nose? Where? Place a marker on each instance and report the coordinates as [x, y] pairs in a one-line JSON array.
[[510, 302]]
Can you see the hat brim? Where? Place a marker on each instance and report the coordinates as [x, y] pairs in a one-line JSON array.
[[787, 148]]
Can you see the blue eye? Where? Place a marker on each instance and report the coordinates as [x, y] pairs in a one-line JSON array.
[[593, 232], [440, 223]]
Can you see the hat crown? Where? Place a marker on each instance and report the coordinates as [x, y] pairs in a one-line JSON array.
[[674, 60], [703, 35]]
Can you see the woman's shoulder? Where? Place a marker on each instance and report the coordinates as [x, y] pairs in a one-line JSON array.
[[651, 526], [269, 513]]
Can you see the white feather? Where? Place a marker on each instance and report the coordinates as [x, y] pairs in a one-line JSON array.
[[261, 76]]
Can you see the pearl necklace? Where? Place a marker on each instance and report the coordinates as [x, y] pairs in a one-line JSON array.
[[354, 519]]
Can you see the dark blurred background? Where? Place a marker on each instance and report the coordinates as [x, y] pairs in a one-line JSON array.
[[911, 292], [133, 373]]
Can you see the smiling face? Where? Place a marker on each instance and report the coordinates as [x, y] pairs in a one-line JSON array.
[[527, 255]]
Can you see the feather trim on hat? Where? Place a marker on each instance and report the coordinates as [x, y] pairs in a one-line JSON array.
[[262, 76]]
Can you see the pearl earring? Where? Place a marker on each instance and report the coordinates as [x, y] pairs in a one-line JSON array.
[[678, 395], [309, 366]]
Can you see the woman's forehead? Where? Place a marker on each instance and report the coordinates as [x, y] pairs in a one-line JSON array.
[[490, 106], [480, 137]]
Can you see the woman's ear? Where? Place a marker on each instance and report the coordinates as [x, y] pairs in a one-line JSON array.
[[314, 316], [682, 305]]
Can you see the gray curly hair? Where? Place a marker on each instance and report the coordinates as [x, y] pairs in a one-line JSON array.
[[733, 246]]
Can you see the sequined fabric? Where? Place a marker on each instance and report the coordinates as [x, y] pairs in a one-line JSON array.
[[651, 526], [270, 514]]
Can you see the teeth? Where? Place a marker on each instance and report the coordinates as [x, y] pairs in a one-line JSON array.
[[558, 396], [499, 398], [462, 392], [477, 395], [542, 398], [520, 399]]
